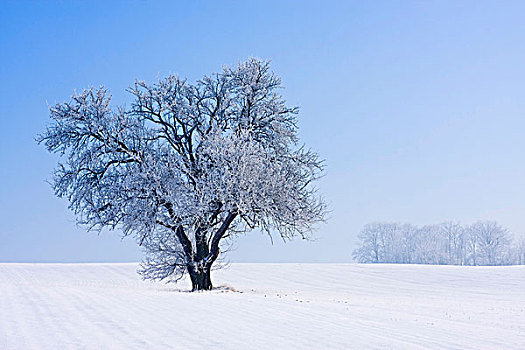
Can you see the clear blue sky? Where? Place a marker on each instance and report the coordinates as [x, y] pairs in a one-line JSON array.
[[417, 107]]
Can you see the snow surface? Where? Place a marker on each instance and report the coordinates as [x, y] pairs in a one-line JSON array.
[[264, 306]]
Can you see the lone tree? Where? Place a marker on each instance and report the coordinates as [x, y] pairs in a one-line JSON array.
[[186, 166]]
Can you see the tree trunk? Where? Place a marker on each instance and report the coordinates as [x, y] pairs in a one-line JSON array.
[[201, 279], [200, 270]]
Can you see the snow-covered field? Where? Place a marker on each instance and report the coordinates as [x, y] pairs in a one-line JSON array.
[[264, 306]]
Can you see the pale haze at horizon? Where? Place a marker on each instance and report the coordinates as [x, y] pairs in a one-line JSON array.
[[417, 108]]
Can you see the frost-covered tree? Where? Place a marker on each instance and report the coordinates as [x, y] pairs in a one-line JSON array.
[[186, 166], [520, 252], [408, 243], [430, 245], [455, 236], [489, 243], [383, 242], [371, 249]]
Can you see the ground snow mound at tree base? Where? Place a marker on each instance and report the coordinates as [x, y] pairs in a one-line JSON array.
[[264, 306]]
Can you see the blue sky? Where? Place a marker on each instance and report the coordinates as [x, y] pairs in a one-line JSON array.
[[417, 107]]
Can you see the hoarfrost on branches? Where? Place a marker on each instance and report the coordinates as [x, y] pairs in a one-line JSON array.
[[187, 166]]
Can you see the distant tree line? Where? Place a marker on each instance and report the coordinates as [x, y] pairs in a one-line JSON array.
[[448, 243]]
